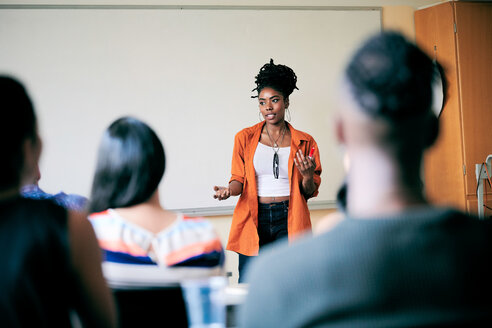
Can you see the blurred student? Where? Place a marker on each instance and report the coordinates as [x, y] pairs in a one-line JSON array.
[[394, 260], [69, 201], [130, 223], [51, 265]]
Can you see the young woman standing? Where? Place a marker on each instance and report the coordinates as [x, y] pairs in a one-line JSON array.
[[275, 170]]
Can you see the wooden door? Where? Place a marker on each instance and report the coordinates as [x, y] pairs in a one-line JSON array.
[[443, 163], [474, 50]]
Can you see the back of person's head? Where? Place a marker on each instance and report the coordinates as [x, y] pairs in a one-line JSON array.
[[18, 125], [130, 165], [390, 82]]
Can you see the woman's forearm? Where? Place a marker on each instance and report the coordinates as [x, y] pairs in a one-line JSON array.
[[235, 188], [308, 187]]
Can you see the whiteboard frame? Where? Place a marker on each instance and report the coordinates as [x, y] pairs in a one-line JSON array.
[[192, 7]]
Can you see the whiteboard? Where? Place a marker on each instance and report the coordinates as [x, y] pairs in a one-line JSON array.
[[187, 72]]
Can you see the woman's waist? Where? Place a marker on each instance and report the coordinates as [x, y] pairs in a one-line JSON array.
[[268, 186], [273, 199]]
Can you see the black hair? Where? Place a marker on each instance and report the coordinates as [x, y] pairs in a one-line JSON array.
[[392, 78], [276, 76], [18, 123], [130, 165]]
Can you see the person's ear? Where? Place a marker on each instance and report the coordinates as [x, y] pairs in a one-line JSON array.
[[286, 102]]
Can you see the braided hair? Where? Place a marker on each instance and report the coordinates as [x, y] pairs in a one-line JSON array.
[[391, 78], [276, 76]]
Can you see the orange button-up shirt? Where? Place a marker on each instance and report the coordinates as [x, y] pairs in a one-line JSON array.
[[243, 237]]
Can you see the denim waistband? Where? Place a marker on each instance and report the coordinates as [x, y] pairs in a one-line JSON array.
[[284, 203]]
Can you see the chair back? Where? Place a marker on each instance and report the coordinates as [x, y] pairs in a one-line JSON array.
[[151, 307]]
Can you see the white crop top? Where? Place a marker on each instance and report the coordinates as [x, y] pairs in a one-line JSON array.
[[266, 183]]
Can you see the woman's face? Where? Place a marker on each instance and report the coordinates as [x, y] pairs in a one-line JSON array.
[[272, 105]]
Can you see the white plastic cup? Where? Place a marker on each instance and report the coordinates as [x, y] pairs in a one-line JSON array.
[[205, 302]]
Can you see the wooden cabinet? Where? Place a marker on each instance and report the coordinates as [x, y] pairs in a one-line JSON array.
[[459, 35]]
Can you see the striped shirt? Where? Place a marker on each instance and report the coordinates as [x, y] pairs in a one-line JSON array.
[[187, 242]]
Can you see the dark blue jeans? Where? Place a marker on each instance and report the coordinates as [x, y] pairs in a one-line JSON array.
[[272, 226]]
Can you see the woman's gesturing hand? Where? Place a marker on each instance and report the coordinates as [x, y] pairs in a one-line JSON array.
[[222, 193], [305, 165]]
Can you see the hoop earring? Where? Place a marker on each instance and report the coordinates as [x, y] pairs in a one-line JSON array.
[[259, 116], [287, 114]]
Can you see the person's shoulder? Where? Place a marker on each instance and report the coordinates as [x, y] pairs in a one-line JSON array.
[[249, 131], [328, 222], [71, 201], [36, 218], [103, 219], [188, 218], [190, 226], [194, 243], [456, 213], [452, 215], [194, 221], [301, 135], [447, 214], [198, 228], [40, 207], [34, 192], [283, 257], [100, 215]]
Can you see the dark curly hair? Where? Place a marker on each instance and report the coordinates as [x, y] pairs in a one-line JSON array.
[[392, 78], [276, 76]]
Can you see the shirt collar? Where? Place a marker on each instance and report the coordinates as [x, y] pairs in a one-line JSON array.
[[296, 136]]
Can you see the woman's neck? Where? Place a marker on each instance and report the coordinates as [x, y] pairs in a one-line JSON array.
[[152, 204], [150, 214], [276, 128], [274, 134], [377, 186]]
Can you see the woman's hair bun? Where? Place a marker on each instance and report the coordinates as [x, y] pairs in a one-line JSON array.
[[276, 76]]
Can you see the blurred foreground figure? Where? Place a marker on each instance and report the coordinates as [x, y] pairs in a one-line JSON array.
[[394, 260], [51, 263]]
